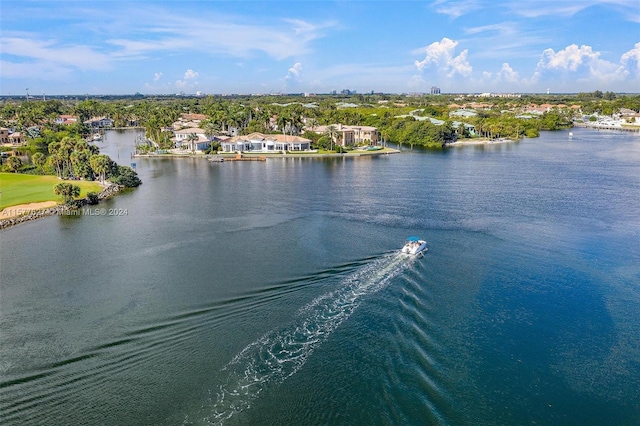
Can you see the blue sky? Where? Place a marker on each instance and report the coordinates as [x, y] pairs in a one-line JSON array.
[[165, 47]]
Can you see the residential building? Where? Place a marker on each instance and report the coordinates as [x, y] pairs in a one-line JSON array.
[[259, 142], [4, 135], [12, 138], [17, 138], [99, 122], [66, 119], [352, 135], [192, 138]]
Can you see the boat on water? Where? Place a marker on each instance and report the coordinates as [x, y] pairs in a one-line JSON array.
[[96, 137], [414, 246]]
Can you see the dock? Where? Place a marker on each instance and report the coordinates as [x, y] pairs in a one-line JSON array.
[[238, 157]]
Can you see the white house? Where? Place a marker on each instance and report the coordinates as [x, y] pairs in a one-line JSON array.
[[192, 138], [259, 142], [99, 122]]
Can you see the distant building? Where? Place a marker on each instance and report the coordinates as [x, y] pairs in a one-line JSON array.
[[4, 135], [435, 90], [99, 122], [66, 119]]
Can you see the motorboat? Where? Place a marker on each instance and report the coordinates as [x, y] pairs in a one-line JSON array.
[[96, 137], [414, 246]]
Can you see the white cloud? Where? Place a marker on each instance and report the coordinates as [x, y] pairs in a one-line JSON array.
[[582, 61], [457, 8], [583, 64], [157, 76], [440, 55], [507, 74], [54, 54], [294, 72], [630, 61], [190, 74], [568, 8], [188, 80]]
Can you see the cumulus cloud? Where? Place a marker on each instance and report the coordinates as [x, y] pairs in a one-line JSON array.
[[294, 72], [157, 76], [582, 63], [188, 79], [441, 56], [630, 61], [507, 74]]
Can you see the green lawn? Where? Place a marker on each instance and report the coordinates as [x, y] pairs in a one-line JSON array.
[[18, 188]]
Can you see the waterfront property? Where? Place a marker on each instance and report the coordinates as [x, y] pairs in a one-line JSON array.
[[352, 135], [99, 122], [192, 138], [259, 142]]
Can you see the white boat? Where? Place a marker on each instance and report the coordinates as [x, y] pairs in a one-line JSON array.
[[97, 137], [414, 246]]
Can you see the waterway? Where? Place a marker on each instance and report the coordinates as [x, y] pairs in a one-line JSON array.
[[273, 292]]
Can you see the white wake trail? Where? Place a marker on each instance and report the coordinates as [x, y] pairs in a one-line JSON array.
[[282, 352]]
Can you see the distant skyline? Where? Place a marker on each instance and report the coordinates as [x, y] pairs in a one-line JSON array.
[[245, 47]]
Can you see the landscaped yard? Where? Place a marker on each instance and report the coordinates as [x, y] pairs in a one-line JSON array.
[[16, 188]]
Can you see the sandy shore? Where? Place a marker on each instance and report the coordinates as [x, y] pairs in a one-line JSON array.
[[20, 209]]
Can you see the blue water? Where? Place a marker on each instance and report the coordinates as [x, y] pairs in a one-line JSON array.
[[273, 293]]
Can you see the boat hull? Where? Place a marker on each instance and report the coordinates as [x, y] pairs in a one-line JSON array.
[[415, 248]]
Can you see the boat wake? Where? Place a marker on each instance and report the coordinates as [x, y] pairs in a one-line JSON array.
[[282, 352]]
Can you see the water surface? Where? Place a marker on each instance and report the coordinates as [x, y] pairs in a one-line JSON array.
[[272, 292]]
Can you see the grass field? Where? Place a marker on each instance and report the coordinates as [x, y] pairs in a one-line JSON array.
[[17, 189]]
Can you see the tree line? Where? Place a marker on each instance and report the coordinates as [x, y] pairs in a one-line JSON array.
[[293, 114]]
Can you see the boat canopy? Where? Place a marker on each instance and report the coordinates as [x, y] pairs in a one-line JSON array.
[[413, 238]]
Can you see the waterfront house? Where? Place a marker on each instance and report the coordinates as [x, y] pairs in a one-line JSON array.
[[192, 138], [99, 122], [66, 119], [259, 143], [352, 135]]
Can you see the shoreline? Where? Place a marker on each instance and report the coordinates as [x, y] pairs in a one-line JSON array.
[[26, 212], [233, 156]]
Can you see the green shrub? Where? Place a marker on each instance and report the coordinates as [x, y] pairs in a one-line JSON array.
[[92, 198]]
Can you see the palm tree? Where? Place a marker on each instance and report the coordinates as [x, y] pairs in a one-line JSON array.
[[191, 139], [211, 128], [68, 192], [100, 165], [282, 122], [14, 163], [332, 133]]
